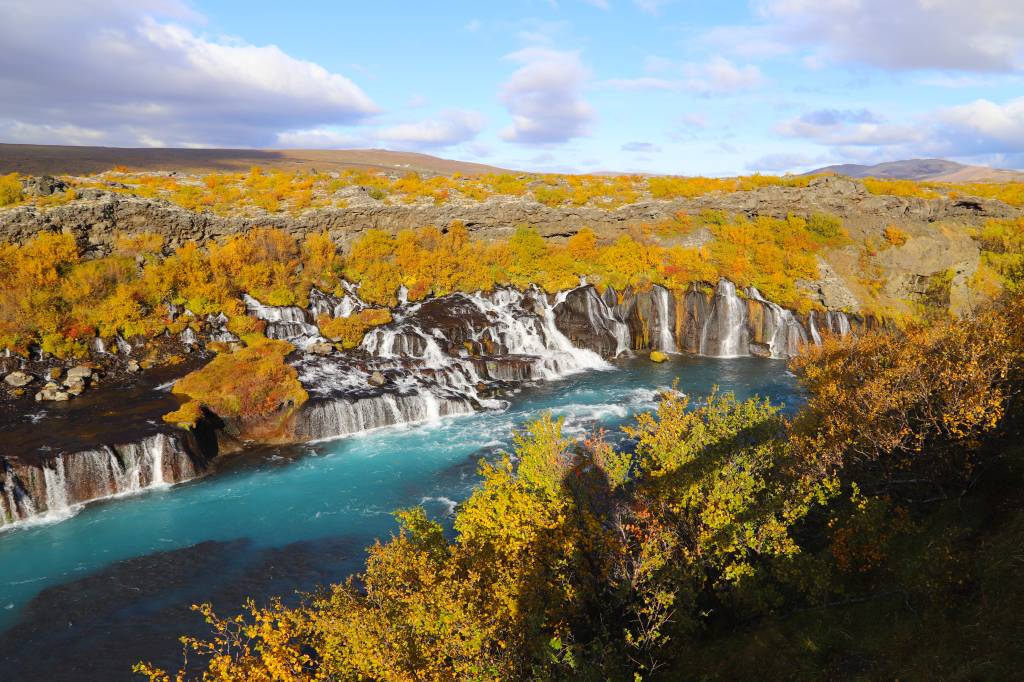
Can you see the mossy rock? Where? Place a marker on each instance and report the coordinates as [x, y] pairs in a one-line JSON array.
[[658, 356]]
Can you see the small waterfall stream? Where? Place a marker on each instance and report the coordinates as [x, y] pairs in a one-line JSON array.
[[725, 333]]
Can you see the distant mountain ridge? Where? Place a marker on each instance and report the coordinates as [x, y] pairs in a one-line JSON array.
[[936, 170], [38, 159]]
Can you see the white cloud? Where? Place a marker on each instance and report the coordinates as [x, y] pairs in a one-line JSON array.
[[721, 76], [545, 97], [717, 76], [944, 35], [452, 127], [652, 7], [19, 131], [643, 147], [978, 129], [848, 128], [319, 138], [127, 70], [984, 127]]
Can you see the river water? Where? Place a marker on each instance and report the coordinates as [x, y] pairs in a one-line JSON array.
[[83, 598]]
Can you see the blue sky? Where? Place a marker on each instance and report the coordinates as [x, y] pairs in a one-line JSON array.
[[683, 86]]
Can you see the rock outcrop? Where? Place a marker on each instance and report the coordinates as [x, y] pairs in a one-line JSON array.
[[98, 215]]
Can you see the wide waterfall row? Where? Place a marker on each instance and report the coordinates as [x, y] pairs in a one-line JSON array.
[[454, 351], [570, 331], [55, 487], [722, 322], [332, 418], [438, 358]]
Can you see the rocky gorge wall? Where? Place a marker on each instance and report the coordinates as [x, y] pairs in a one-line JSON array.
[[98, 215]]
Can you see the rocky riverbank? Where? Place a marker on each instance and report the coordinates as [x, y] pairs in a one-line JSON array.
[[437, 358]]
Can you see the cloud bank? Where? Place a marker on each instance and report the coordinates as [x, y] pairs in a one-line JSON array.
[[545, 97], [134, 73]]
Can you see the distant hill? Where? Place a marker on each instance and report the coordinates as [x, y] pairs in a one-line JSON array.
[[32, 159], [936, 170]]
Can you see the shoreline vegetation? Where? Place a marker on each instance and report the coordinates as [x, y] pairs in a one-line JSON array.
[[725, 532]]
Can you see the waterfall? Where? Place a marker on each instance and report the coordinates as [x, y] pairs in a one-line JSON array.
[[123, 347], [837, 322], [288, 323], [664, 305], [781, 331], [324, 419], [321, 303], [16, 503], [56, 488], [724, 333], [62, 484], [812, 324], [188, 337], [586, 319], [435, 358]]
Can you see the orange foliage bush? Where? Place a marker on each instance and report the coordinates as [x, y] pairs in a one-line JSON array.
[[251, 383], [349, 331]]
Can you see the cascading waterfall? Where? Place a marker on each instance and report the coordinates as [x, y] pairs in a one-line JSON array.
[[781, 331], [430, 373], [55, 488], [321, 303], [837, 322], [812, 326], [288, 323], [437, 358], [725, 333], [663, 300], [340, 417], [599, 321]]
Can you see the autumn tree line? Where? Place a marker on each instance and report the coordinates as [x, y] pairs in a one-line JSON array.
[[58, 300]]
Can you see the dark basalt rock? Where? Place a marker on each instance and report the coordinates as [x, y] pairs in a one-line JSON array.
[[641, 312], [582, 317], [459, 321], [43, 186]]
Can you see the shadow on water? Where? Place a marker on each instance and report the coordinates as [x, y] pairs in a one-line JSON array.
[[97, 627]]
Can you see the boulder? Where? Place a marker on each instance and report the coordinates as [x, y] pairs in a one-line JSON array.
[[43, 186], [133, 366], [52, 392], [75, 386], [53, 373], [760, 350], [377, 379], [321, 348], [18, 379], [79, 372]]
